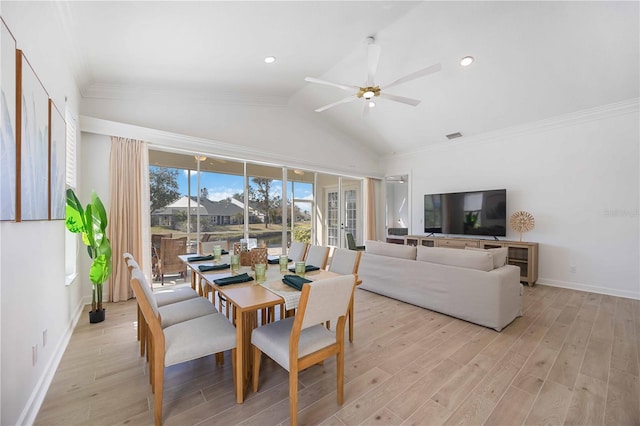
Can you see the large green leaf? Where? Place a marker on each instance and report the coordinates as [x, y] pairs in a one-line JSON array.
[[74, 213], [100, 269]]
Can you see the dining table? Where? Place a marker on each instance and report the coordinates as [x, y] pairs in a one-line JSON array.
[[246, 300]]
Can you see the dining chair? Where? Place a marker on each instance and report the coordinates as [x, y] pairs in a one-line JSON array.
[[351, 243], [173, 313], [164, 296], [297, 251], [347, 262], [317, 256], [182, 342], [169, 262], [296, 343]]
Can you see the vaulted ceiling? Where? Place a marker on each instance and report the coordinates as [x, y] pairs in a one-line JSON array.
[[534, 60]]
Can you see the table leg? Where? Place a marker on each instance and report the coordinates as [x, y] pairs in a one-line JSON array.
[[239, 357]]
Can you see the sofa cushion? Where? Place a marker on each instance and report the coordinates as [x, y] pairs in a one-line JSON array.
[[499, 255], [471, 259], [389, 249]]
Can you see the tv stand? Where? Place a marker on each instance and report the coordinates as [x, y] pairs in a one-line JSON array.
[[522, 254]]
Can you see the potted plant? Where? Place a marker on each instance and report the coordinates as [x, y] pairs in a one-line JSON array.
[[91, 222]]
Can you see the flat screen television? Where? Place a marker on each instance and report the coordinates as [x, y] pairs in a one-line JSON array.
[[467, 213]]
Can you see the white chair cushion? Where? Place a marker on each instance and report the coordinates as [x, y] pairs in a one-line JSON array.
[[391, 250], [166, 296], [198, 337], [273, 340], [146, 288], [185, 311], [296, 251], [343, 261], [499, 255], [316, 255], [471, 259]]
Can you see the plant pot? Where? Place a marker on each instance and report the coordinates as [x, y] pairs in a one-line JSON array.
[[97, 316]]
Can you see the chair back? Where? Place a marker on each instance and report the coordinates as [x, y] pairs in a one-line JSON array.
[[324, 300], [259, 255], [297, 251], [351, 242], [170, 248], [207, 246], [145, 292], [345, 261], [317, 256]]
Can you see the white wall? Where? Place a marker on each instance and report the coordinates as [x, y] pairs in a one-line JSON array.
[[285, 133], [33, 293], [579, 177]]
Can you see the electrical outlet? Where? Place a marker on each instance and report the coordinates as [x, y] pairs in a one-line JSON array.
[[44, 338], [34, 355], [573, 269]]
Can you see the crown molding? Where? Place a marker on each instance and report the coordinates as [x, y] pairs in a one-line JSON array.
[[130, 92], [184, 144], [629, 106]]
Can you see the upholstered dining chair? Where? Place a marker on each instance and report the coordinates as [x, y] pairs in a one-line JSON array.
[[297, 251], [317, 256], [173, 313], [347, 262], [351, 243], [164, 296], [169, 262], [299, 342], [181, 342]]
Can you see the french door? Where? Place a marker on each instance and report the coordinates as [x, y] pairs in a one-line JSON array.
[[343, 212]]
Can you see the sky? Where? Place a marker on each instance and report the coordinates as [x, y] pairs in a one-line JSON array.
[[222, 186]]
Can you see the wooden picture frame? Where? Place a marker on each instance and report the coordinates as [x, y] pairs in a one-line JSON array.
[[32, 144], [8, 161], [57, 163]]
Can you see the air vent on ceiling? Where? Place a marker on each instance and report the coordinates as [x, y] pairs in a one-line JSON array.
[[454, 135]]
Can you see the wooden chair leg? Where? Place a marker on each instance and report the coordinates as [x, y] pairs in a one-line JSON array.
[[233, 369], [350, 315], [340, 376], [257, 356], [140, 319], [293, 395], [142, 330], [158, 373]]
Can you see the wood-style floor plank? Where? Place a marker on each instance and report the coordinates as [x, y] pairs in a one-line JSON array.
[[572, 358]]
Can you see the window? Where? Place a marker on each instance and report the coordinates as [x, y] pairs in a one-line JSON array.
[[71, 240]]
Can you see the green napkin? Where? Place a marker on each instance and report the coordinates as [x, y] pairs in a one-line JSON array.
[[242, 278], [295, 281], [307, 268], [199, 258], [275, 261], [223, 251], [205, 268]]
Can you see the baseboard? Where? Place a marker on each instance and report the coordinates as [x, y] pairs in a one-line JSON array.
[[30, 412], [589, 288]]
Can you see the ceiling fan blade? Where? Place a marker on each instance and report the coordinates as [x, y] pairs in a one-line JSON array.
[[373, 56], [420, 73], [330, 83], [341, 101], [402, 99]]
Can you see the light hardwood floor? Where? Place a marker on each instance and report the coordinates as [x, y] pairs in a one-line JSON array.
[[571, 359]]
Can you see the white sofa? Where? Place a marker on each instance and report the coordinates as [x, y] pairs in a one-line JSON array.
[[473, 285]]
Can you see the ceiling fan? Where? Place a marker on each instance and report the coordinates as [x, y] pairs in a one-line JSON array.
[[370, 90]]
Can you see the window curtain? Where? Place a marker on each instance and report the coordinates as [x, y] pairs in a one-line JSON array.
[[129, 216], [370, 209]]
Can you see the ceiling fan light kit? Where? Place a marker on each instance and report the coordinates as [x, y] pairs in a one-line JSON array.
[[370, 90]]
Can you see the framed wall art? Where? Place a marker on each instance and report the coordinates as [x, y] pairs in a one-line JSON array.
[[32, 144], [57, 163], [8, 157]]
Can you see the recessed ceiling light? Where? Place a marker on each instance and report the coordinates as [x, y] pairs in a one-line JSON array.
[[270, 59], [372, 104], [466, 61]]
